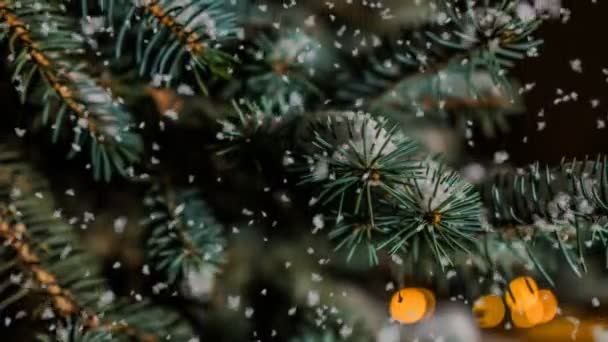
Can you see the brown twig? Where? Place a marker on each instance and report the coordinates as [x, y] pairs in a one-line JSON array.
[[454, 103], [64, 303], [45, 63], [181, 32]]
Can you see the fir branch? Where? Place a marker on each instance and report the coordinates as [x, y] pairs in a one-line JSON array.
[[53, 52], [440, 211], [402, 75], [257, 137], [357, 162], [41, 244], [64, 302], [181, 33], [284, 68], [555, 195], [352, 232], [564, 205], [12, 235], [174, 107], [184, 237], [250, 124]]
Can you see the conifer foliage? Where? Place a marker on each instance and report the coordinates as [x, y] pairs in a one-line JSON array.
[[231, 127]]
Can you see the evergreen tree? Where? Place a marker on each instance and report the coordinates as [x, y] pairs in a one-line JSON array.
[[244, 170]]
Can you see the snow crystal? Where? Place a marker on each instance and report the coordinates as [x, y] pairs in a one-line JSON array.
[[20, 132], [120, 223], [145, 269], [318, 222], [315, 277], [199, 282], [313, 298], [234, 302], [48, 313], [346, 331], [525, 12], [576, 65], [474, 173], [106, 298], [500, 157]]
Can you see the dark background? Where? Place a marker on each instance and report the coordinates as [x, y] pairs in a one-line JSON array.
[[571, 127]]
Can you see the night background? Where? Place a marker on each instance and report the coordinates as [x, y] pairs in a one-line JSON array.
[[237, 153]]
